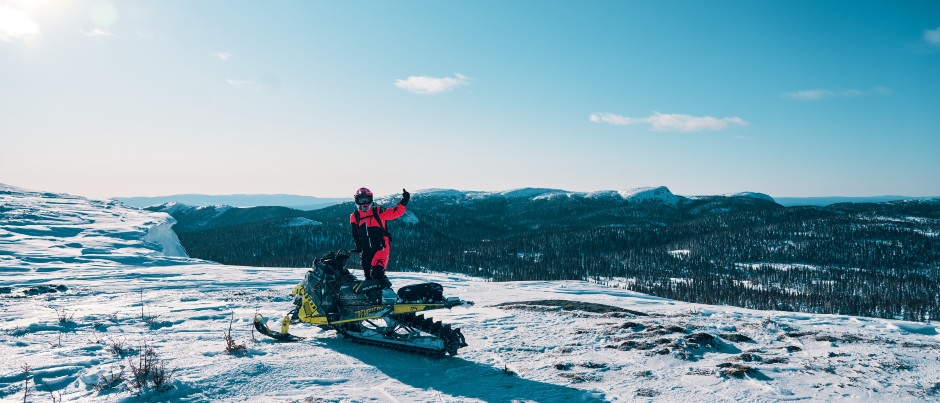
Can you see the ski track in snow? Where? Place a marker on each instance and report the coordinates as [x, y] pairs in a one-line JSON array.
[[81, 276]]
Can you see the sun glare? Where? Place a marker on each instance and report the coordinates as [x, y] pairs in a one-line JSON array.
[[15, 23]]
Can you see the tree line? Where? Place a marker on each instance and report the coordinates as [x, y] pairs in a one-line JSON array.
[[877, 260]]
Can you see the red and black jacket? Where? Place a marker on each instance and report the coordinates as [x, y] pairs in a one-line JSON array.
[[369, 229]]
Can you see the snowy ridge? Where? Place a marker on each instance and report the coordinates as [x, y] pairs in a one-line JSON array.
[[753, 195], [441, 192], [62, 229], [660, 194], [532, 193], [79, 279]]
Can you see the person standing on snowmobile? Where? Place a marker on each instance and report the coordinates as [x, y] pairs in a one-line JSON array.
[[370, 233]]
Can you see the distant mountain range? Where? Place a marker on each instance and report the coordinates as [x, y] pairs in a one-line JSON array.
[[825, 201], [305, 203], [237, 200]]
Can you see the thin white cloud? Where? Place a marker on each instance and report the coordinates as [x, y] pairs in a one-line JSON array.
[[238, 83], [224, 56], [809, 95], [15, 24], [670, 122], [431, 85], [97, 33], [932, 36], [813, 95]]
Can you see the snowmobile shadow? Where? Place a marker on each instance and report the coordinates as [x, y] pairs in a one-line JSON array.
[[458, 377]]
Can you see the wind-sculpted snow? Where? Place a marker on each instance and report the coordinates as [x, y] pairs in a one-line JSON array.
[[78, 321], [56, 230]]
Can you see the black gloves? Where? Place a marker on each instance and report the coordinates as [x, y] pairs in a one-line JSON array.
[[405, 196], [356, 242]]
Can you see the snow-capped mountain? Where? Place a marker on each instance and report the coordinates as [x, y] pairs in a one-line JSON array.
[[91, 289], [660, 194], [238, 200]]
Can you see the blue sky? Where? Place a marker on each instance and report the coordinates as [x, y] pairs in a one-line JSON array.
[[107, 98]]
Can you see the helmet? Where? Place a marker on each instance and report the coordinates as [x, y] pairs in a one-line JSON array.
[[363, 199]]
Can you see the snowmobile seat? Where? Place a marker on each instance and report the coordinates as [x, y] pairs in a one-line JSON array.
[[367, 286], [422, 293]]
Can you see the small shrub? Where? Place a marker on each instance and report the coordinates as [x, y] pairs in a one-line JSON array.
[[26, 369], [111, 381], [94, 339], [230, 346], [736, 370], [827, 337], [701, 371], [701, 338], [796, 335], [150, 320], [58, 343], [662, 351], [55, 395], [149, 372], [580, 377], [646, 392], [736, 337], [683, 355], [118, 348], [593, 365], [65, 318]]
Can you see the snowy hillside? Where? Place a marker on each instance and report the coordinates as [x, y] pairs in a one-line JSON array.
[[660, 194], [90, 289], [58, 230]]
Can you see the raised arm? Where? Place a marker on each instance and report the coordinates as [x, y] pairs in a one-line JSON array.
[[399, 209]]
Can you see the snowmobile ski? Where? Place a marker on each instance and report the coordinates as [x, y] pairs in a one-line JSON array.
[[261, 325]]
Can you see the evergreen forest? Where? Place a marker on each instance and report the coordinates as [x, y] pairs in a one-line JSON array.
[[864, 259]]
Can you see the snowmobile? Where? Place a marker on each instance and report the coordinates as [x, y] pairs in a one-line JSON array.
[[368, 311]]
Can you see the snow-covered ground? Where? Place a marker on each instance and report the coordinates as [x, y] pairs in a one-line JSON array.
[[86, 287]]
